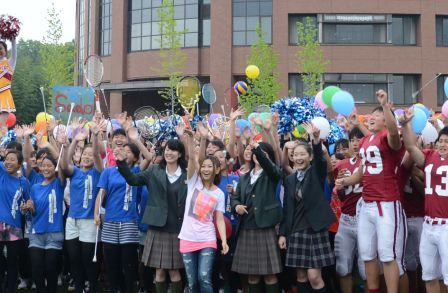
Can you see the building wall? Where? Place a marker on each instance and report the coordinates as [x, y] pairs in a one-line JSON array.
[[222, 61]]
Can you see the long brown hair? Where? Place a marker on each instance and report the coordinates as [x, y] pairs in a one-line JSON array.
[[216, 166]]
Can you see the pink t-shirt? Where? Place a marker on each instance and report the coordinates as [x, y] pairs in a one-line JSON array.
[[198, 228]]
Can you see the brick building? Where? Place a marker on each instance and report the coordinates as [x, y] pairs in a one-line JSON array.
[[399, 45]]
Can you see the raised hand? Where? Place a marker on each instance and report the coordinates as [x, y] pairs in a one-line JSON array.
[[312, 130], [120, 154], [180, 129], [133, 134], [95, 128], [18, 130], [275, 118], [121, 117], [406, 117], [235, 114], [202, 130], [28, 129], [80, 136], [353, 120], [381, 95]]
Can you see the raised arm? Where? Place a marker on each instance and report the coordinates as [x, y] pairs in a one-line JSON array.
[[203, 144], [410, 140], [28, 130], [232, 131], [393, 136], [289, 146], [135, 139], [268, 166], [318, 154], [133, 179], [353, 119], [96, 145], [193, 164]]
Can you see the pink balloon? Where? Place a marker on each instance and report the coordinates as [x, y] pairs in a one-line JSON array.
[[445, 109], [318, 100]]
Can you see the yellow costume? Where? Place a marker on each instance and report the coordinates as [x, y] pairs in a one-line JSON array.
[[6, 100]]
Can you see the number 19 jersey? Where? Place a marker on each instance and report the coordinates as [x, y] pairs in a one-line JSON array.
[[436, 185], [380, 165]]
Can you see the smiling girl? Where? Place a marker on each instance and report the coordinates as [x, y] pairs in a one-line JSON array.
[[198, 234]]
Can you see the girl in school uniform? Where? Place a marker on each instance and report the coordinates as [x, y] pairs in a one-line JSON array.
[[120, 228], [255, 200], [307, 216], [47, 236], [198, 235], [80, 229], [164, 212], [15, 191]]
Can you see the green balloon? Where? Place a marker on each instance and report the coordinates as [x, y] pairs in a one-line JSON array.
[[300, 129], [328, 94], [265, 116]]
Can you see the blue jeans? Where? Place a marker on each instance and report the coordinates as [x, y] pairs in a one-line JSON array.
[[199, 269]]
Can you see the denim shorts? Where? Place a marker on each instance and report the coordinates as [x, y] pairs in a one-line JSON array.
[[47, 240]]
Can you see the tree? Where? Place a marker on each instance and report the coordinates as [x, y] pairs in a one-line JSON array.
[[27, 80], [265, 89], [57, 59], [172, 58], [311, 59]]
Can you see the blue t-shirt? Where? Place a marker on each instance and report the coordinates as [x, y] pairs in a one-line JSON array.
[[13, 192], [141, 209], [230, 179], [121, 199], [83, 191], [35, 177], [48, 200]]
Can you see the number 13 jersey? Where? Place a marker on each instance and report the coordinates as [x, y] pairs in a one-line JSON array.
[[380, 165], [436, 185]]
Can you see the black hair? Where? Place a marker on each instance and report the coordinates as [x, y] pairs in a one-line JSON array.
[[14, 145], [119, 131], [305, 145], [343, 142], [266, 148], [5, 46], [18, 155], [42, 152], [175, 145], [51, 159], [33, 154], [216, 165], [134, 150], [355, 132], [380, 109], [226, 153], [218, 143], [444, 131]]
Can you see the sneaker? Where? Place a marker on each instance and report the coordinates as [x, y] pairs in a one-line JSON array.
[[33, 287], [59, 280], [23, 284]]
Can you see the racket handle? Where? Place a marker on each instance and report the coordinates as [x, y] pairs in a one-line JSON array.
[[97, 106]]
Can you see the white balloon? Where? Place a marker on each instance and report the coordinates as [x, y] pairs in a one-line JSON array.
[[323, 125], [429, 133], [440, 123], [59, 129]]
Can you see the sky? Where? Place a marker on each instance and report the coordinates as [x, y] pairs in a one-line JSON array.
[[32, 14]]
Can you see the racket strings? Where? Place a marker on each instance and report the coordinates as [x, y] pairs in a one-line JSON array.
[[94, 71]]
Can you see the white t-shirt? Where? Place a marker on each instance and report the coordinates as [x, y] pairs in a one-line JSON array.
[[200, 206]]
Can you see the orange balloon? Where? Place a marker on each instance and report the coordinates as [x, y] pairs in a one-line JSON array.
[[41, 126], [362, 119]]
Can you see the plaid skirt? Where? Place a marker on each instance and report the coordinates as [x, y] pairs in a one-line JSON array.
[[257, 253], [309, 249], [161, 251]]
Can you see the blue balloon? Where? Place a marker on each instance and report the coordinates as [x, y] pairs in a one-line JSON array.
[[423, 107], [343, 103], [446, 87], [242, 124], [419, 120]]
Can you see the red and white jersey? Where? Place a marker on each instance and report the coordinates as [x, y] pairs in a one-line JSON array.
[[380, 164], [413, 202], [352, 193], [436, 185]]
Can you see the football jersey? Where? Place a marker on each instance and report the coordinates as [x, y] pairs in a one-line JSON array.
[[413, 203], [353, 192], [380, 164], [436, 185]]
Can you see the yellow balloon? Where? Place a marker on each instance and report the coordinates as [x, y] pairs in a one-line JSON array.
[[252, 71], [41, 117]]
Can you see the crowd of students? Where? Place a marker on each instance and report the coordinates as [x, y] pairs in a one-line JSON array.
[[250, 210]]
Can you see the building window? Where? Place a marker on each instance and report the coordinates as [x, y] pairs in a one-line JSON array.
[[404, 29], [404, 89], [192, 17], [442, 31], [293, 19], [247, 15], [81, 55], [296, 87], [441, 97], [105, 27], [354, 28]]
